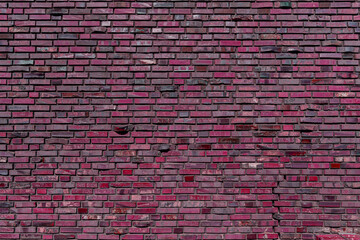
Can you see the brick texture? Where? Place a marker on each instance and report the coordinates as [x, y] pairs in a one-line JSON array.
[[179, 119]]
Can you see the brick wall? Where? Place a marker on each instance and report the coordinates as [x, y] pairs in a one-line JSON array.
[[179, 119]]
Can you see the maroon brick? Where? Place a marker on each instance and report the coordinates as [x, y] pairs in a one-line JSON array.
[[82, 210]]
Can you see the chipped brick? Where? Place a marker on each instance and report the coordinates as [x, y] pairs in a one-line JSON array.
[[122, 130]]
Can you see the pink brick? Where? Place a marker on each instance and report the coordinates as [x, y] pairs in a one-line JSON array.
[[329, 236]]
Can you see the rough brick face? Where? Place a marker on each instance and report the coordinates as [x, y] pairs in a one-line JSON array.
[[179, 119]]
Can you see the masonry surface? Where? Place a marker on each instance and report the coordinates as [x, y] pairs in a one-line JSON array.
[[179, 120]]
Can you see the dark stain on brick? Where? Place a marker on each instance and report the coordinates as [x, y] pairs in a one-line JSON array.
[[6, 36], [329, 198], [229, 140], [319, 81], [6, 204], [246, 127], [63, 237], [305, 81], [18, 134], [201, 146], [265, 134], [295, 153], [270, 127], [34, 75], [305, 128], [5, 210], [330, 204], [263, 11], [251, 236], [169, 88], [306, 141], [178, 230], [197, 82], [324, 4], [250, 204], [286, 69], [242, 18], [163, 121], [264, 147], [57, 11], [44, 223], [137, 159]]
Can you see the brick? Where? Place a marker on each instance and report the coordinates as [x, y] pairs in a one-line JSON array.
[[7, 36], [163, 5], [329, 236]]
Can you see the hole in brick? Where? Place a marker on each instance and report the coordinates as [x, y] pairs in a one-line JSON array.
[[242, 18], [270, 49], [164, 148], [143, 224], [122, 130], [98, 29], [295, 50], [277, 216]]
